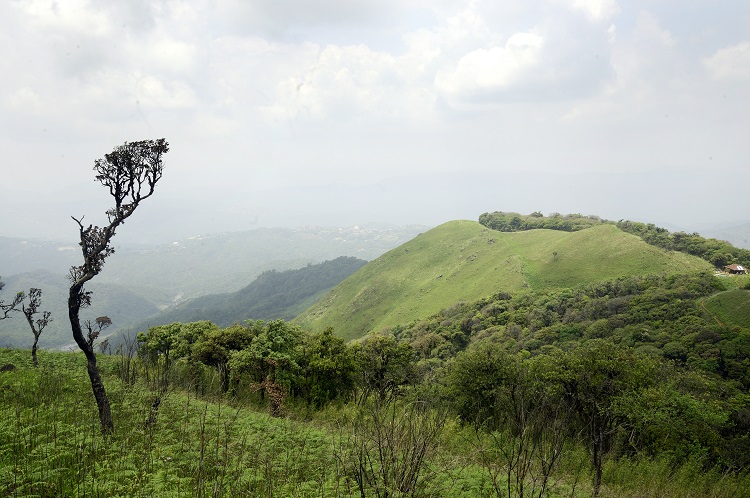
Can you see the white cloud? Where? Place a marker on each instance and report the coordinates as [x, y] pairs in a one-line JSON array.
[[730, 63], [277, 18], [165, 53], [78, 16], [25, 99], [485, 71], [597, 10], [309, 92], [153, 92]]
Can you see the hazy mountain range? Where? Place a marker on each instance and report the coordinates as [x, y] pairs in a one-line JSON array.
[[138, 282]]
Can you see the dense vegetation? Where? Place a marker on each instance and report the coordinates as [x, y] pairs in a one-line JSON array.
[[718, 252], [515, 222], [545, 400]]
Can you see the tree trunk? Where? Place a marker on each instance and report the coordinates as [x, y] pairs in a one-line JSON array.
[[102, 402], [597, 459], [33, 354], [97, 386]]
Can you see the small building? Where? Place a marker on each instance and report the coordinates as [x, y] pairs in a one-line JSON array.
[[735, 269]]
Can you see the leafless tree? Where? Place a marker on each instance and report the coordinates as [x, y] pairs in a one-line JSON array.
[[38, 325], [130, 172]]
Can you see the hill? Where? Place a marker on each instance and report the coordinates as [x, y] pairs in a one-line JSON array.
[[464, 261], [731, 307], [272, 295]]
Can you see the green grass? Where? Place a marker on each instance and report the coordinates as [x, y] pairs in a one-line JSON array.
[[731, 307], [464, 261], [50, 443]]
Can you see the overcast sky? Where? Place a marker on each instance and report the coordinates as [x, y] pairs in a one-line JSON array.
[[334, 112]]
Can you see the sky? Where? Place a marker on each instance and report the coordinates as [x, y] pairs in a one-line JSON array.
[[339, 113]]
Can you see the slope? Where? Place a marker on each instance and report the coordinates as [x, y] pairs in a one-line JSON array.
[[272, 295], [463, 260], [731, 307]]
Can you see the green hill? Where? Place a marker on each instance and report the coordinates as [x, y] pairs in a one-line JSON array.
[[464, 261], [731, 307]]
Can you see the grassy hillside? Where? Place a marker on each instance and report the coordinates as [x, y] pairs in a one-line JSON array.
[[731, 307], [463, 261]]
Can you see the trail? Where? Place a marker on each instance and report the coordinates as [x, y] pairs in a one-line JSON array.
[[716, 318]]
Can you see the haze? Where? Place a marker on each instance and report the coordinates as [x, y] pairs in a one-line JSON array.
[[336, 113]]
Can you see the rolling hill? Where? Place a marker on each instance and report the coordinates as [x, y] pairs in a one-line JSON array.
[[463, 261]]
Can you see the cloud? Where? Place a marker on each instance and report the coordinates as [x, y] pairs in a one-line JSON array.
[[730, 63], [278, 18], [272, 93], [597, 10], [485, 71]]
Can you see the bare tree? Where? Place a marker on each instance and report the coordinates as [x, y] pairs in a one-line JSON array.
[[130, 172], [7, 308], [38, 325]]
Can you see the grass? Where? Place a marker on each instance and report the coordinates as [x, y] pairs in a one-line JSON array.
[[731, 307], [464, 261], [50, 445]]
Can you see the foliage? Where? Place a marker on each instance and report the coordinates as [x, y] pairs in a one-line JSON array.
[[385, 366], [216, 347], [327, 369], [718, 252], [514, 222], [389, 446], [37, 325]]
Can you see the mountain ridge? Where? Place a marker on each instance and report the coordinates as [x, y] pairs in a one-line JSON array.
[[462, 260]]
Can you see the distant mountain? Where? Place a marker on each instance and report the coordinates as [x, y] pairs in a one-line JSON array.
[[465, 261], [272, 295], [19, 255], [123, 306], [737, 235], [210, 264]]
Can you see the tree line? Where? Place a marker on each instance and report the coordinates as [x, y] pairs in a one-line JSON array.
[[718, 252]]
